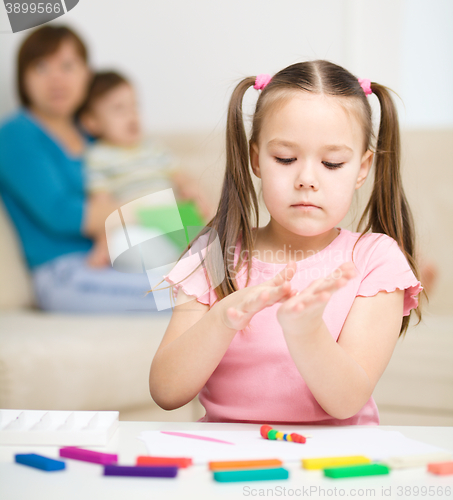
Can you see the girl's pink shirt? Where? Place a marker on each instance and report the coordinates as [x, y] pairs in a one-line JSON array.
[[257, 380]]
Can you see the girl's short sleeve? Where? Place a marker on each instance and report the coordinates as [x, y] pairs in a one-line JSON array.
[[195, 284], [388, 269]]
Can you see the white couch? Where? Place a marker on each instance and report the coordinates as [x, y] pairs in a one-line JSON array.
[[85, 362], [74, 362], [101, 362]]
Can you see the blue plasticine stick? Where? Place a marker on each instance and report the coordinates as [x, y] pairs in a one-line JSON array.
[[39, 462]]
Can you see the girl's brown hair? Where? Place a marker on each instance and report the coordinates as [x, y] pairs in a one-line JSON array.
[[387, 210], [40, 43]]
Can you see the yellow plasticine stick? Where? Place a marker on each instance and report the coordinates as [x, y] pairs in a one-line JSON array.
[[322, 463]]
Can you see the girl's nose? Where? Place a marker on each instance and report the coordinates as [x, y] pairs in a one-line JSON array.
[[306, 178]]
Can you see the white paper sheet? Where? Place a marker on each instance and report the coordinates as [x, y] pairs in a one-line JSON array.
[[376, 444]]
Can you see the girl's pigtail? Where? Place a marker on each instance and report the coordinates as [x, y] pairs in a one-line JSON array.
[[238, 197], [388, 211]]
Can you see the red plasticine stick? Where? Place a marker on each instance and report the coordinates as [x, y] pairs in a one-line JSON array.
[[268, 433], [441, 468]]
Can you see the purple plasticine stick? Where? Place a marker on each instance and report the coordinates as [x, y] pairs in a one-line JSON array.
[[134, 470], [88, 455]]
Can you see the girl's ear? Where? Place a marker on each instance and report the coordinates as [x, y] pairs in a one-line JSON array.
[[365, 166], [254, 160]]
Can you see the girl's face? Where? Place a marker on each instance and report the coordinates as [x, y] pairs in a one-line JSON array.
[[56, 84], [310, 151]]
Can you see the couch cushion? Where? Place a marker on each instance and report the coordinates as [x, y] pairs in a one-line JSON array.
[[16, 289], [418, 380], [65, 362]]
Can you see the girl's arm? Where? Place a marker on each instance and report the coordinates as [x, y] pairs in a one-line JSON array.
[[341, 375], [193, 345], [197, 338]]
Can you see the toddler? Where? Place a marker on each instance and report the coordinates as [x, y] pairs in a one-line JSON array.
[[306, 319], [124, 163]]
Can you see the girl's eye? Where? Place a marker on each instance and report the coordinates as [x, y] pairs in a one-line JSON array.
[[332, 165], [285, 161]]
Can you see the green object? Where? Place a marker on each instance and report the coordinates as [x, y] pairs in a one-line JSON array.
[[356, 470], [168, 220], [272, 434], [250, 475]]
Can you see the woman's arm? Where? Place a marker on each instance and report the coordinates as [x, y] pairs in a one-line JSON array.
[[31, 180], [31, 175]]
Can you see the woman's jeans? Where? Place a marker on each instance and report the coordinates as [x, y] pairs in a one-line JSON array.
[[68, 284]]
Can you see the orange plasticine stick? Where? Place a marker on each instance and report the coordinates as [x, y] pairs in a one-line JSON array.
[[244, 464], [177, 461]]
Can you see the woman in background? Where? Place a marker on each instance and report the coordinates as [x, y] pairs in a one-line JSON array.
[[42, 187]]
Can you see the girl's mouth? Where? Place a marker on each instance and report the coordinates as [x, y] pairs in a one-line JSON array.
[[305, 207]]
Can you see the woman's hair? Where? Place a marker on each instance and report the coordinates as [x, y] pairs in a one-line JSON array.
[[40, 43], [101, 83], [387, 210]]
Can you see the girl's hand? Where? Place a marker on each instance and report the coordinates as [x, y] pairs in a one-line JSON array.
[[240, 306], [303, 311]]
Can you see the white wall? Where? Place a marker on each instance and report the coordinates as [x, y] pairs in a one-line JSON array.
[[427, 65], [186, 57]]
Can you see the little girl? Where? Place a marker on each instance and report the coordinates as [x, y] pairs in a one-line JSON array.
[[307, 317]]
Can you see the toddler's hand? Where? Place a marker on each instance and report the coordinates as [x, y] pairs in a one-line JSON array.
[[303, 311], [99, 255], [240, 306]]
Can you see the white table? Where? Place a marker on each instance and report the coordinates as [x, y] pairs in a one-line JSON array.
[[84, 481]]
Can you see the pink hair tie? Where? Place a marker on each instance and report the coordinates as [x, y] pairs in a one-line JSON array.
[[366, 85], [261, 81]]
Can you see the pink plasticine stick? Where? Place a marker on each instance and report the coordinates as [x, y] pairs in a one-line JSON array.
[[194, 436], [95, 457]]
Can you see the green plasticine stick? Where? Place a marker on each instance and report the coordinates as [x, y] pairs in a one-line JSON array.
[[356, 470], [251, 475]]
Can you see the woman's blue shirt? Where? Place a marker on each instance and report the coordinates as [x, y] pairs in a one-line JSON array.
[[42, 187]]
